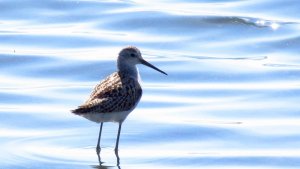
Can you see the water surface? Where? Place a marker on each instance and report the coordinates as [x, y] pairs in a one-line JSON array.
[[231, 99]]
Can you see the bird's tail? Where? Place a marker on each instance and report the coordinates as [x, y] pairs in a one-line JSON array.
[[79, 111]]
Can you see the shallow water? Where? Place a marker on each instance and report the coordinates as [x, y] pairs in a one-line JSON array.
[[231, 99]]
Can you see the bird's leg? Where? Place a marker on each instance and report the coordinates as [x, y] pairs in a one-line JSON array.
[[117, 144], [98, 144], [118, 138], [118, 158]]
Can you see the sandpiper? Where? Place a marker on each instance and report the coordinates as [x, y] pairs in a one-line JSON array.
[[117, 95]]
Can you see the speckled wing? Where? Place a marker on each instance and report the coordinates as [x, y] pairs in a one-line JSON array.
[[116, 93]]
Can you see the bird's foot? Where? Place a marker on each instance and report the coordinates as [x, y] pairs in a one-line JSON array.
[[99, 159]]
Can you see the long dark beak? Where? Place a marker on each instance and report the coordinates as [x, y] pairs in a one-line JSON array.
[[150, 65]]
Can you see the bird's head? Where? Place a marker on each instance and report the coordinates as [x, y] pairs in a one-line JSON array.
[[131, 56]]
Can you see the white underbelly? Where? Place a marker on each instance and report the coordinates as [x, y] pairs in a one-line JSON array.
[[107, 117]]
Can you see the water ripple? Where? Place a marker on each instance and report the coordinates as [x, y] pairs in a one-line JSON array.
[[230, 99]]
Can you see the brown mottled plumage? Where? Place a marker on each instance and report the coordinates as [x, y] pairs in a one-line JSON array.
[[117, 93]]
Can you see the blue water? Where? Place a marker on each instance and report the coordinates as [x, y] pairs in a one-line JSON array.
[[231, 99]]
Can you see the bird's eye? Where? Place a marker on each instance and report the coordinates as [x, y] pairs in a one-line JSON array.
[[132, 55]]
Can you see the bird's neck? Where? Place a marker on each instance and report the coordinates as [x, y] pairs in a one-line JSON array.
[[130, 70]]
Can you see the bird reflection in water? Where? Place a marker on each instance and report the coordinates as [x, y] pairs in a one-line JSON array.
[[102, 166]]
